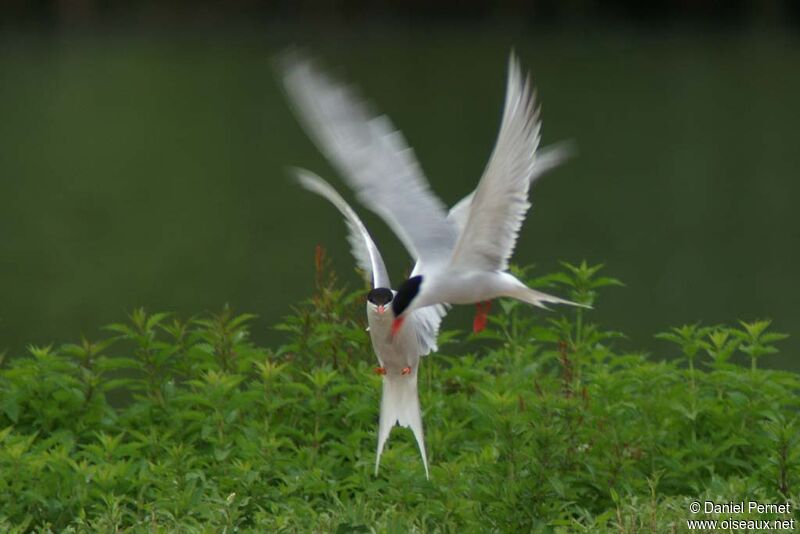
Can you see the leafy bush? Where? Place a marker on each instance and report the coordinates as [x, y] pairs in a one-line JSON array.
[[544, 423]]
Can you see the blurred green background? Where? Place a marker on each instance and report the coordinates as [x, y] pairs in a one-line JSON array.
[[146, 167]]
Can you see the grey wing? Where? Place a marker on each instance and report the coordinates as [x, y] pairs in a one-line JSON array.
[[426, 322], [372, 157], [362, 246], [547, 158], [501, 199]]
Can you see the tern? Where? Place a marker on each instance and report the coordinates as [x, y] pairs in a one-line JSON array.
[[454, 266], [398, 359]]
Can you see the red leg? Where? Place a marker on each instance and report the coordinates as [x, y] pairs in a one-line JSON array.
[[406, 370], [380, 371], [481, 314]]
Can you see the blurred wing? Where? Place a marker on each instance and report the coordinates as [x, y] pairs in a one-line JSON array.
[[371, 156], [550, 157], [426, 322], [547, 158], [361, 245], [501, 199]]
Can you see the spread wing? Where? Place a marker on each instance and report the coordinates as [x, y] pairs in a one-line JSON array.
[[361, 244], [547, 158], [372, 157], [501, 199]]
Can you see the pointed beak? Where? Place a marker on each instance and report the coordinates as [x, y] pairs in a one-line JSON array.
[[381, 308], [396, 324]]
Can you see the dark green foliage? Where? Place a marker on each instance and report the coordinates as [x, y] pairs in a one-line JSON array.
[[545, 423]]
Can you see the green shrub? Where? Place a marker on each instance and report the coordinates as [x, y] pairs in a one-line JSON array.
[[542, 423]]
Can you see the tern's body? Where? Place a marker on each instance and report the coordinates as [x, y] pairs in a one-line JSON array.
[[468, 287], [399, 358], [394, 356]]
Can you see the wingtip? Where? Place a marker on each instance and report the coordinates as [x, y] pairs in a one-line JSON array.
[[311, 181], [514, 70], [290, 58], [513, 58], [300, 175], [521, 93], [561, 151], [553, 156]]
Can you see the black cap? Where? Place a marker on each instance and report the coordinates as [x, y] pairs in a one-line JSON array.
[[380, 296]]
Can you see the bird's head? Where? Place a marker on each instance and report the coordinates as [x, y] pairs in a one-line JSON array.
[[379, 299], [403, 301]]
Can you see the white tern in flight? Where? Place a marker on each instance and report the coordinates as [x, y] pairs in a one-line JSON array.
[[453, 266]]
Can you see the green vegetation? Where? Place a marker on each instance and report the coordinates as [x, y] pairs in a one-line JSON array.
[[542, 423]]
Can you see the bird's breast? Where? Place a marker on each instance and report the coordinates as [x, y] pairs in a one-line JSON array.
[[393, 354]]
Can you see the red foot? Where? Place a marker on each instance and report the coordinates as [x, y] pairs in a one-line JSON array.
[[406, 370], [380, 371], [481, 315]]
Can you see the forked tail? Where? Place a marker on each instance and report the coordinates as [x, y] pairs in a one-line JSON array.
[[400, 405], [540, 299]]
